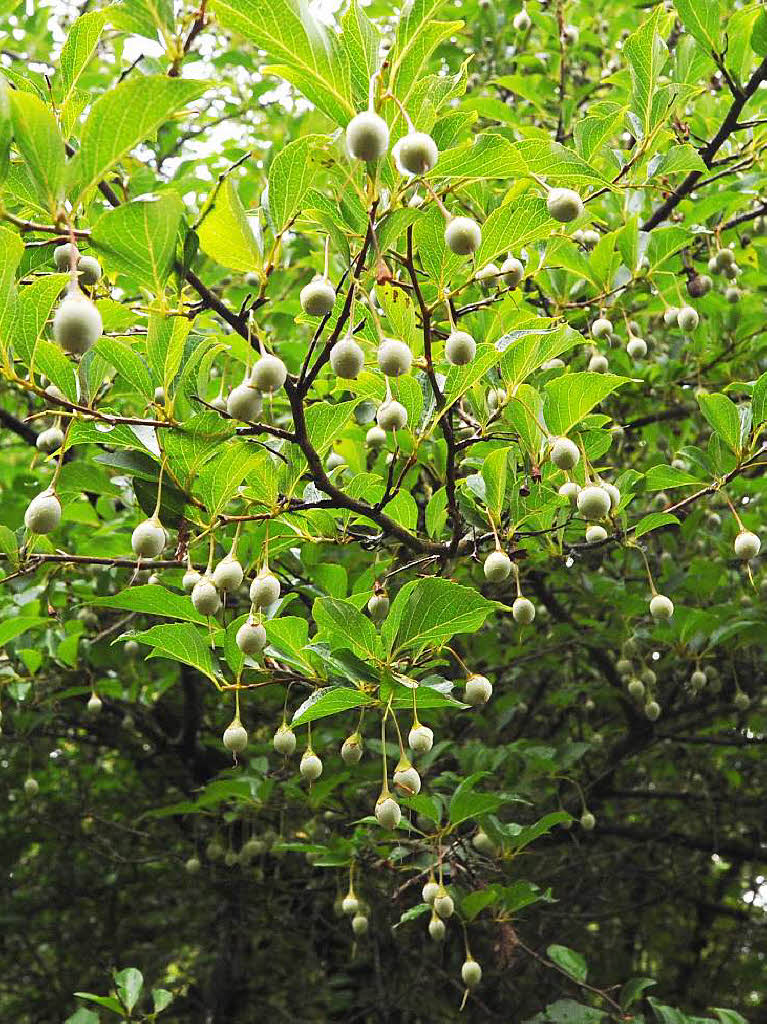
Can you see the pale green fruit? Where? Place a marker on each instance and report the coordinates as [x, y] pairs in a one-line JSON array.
[[565, 453], [420, 739], [318, 297], [378, 607], [77, 324], [228, 574], [463, 236], [88, 270], [471, 973], [149, 538], [747, 545], [269, 374], [43, 513], [523, 611], [594, 502], [460, 348], [284, 741], [205, 596], [244, 403], [497, 567], [512, 272], [391, 415], [417, 152], [351, 750], [588, 821], [359, 924], [347, 358], [478, 690], [251, 637], [265, 589], [367, 136], [387, 811], [564, 205], [394, 357], [661, 607], [443, 903], [95, 704], [311, 766], [235, 737]]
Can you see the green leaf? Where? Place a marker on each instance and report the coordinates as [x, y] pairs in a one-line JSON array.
[[530, 344], [703, 21], [360, 40], [83, 1016], [466, 803], [512, 226], [313, 58], [418, 34], [6, 128], [434, 611], [654, 521], [50, 360], [125, 116], [527, 834], [129, 984], [161, 999], [570, 961], [493, 156], [646, 53], [76, 53], [571, 397], [342, 626], [138, 239], [33, 310], [41, 146], [180, 641], [494, 472], [220, 478], [324, 422], [567, 1011], [662, 478], [128, 364], [729, 1016], [759, 34], [108, 1002], [722, 415], [226, 233], [152, 599], [633, 989], [12, 628], [329, 701], [759, 401], [165, 342], [292, 172]]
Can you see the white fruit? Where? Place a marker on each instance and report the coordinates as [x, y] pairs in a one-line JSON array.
[[522, 21], [311, 766], [149, 538], [436, 928], [235, 737], [375, 437], [378, 607], [351, 749], [742, 701], [591, 238], [570, 35], [53, 392], [570, 490], [95, 704], [478, 690], [460, 348], [588, 821], [602, 328], [661, 607], [189, 579], [269, 374], [565, 453], [214, 850], [725, 258], [347, 358], [244, 403], [318, 297], [443, 903], [732, 295], [637, 348], [334, 461], [564, 205], [192, 866], [394, 357], [219, 403], [615, 494], [391, 415], [350, 904], [512, 272], [265, 589], [359, 924], [463, 236], [367, 136], [483, 844], [49, 440], [407, 779], [251, 637], [471, 973], [687, 318], [488, 273], [670, 316], [284, 741], [77, 324], [43, 513], [698, 679], [131, 649], [594, 502], [636, 688], [417, 152], [387, 811], [495, 398], [205, 596], [31, 786], [652, 710], [497, 567], [62, 256], [595, 534], [747, 545], [598, 363], [420, 739], [89, 270], [523, 611], [430, 892], [228, 574], [159, 395]]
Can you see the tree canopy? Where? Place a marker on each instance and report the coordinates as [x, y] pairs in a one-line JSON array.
[[382, 415]]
